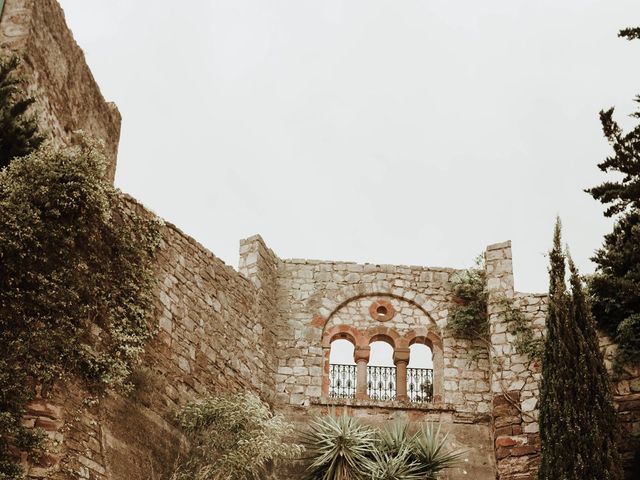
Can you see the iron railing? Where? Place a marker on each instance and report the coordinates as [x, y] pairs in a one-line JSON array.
[[381, 383], [420, 385], [342, 381]]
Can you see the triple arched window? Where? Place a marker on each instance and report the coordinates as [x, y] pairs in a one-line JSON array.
[[381, 365]]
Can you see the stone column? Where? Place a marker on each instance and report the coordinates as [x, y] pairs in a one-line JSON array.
[[361, 355], [401, 360]]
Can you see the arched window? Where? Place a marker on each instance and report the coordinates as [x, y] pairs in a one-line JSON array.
[[420, 356], [342, 369], [420, 373], [381, 372], [381, 354]]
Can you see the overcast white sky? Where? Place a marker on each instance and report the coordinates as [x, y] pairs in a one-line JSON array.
[[398, 131]]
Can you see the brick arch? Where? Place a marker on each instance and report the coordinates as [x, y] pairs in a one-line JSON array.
[[346, 332], [384, 334]]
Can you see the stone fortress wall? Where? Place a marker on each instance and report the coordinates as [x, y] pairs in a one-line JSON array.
[[67, 96], [268, 327]]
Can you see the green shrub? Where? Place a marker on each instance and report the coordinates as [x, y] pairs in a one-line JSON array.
[[468, 317], [75, 281], [234, 437], [342, 448]]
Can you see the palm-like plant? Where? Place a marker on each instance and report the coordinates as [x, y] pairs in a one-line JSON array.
[[395, 466], [393, 458], [429, 450], [340, 448]]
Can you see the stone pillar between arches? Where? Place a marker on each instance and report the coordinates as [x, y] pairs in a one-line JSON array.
[[401, 360], [362, 359]]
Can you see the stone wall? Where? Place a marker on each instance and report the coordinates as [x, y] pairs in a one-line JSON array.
[[514, 379], [214, 334], [67, 96], [322, 301], [319, 299]]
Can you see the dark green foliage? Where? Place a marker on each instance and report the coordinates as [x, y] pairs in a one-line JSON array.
[[577, 418], [615, 287], [342, 448], [630, 33], [233, 437], [468, 317], [75, 280], [19, 131]]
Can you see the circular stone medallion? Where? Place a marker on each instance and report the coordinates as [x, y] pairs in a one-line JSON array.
[[381, 310]]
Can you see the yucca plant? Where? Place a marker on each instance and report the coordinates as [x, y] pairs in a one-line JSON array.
[[393, 458], [429, 448], [339, 448], [398, 465]]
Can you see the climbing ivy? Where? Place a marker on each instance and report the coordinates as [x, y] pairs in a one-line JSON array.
[[75, 282], [469, 317]]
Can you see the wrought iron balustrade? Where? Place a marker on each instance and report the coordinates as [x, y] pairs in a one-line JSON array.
[[342, 381], [420, 385], [381, 383]]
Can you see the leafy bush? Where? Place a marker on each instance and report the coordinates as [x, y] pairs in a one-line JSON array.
[[75, 281], [342, 448], [468, 316], [233, 437]]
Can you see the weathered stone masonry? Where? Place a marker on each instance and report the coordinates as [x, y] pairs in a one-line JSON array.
[[67, 96], [268, 327]]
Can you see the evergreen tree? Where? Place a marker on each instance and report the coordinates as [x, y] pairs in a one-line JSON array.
[[577, 418], [19, 130], [615, 287]]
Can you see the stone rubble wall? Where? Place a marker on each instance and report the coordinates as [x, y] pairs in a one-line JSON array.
[[67, 96], [319, 298], [316, 297], [213, 336], [514, 379], [626, 397]]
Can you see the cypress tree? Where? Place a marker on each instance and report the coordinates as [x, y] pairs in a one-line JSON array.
[[577, 418], [19, 129]]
